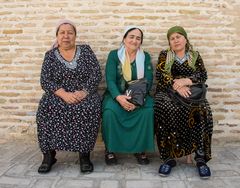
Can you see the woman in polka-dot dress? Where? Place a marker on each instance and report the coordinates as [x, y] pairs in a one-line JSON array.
[[181, 130], [68, 115]]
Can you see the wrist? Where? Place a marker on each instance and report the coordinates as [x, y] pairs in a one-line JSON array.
[[118, 98], [189, 81], [85, 91], [60, 92]]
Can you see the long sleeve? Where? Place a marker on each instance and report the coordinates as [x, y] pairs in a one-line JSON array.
[[200, 75], [148, 71], [164, 80], [94, 71], [111, 75], [47, 75]]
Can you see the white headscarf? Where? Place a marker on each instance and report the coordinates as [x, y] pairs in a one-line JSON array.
[[124, 59]]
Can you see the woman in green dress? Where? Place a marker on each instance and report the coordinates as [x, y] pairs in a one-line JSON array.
[[127, 128]]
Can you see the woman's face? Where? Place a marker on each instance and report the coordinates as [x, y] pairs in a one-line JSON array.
[[133, 40], [177, 42], [66, 36]]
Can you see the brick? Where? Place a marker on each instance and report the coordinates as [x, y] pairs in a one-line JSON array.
[[14, 181], [17, 31], [232, 103], [109, 184], [218, 131], [9, 94], [93, 11], [2, 101], [202, 4], [135, 17], [235, 131], [189, 12], [105, 3], [134, 4], [218, 117], [3, 121], [58, 5], [74, 183], [40, 183], [5, 13], [9, 107]]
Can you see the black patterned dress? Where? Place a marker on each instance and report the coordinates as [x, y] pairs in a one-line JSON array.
[[62, 126], [181, 130]]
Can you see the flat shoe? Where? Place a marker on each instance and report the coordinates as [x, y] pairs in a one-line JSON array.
[[204, 171], [142, 158], [110, 158], [45, 167], [164, 170], [86, 168], [86, 165]]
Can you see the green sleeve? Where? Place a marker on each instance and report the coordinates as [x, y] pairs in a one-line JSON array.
[[111, 74], [148, 70]]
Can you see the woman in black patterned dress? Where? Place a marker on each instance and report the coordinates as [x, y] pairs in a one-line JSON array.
[[181, 130], [68, 115]]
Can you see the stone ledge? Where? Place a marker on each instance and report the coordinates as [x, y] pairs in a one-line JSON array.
[[29, 134]]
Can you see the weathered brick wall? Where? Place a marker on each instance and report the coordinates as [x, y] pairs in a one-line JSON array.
[[28, 29]]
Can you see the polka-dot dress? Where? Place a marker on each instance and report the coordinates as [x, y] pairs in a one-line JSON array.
[[62, 126], [181, 130]]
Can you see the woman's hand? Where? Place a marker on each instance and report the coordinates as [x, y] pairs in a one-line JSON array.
[[80, 95], [122, 100], [179, 83], [68, 97], [184, 91]]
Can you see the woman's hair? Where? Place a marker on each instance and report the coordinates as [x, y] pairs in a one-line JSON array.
[[74, 28], [125, 35]]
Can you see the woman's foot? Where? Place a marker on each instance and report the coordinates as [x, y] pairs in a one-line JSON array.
[[203, 170], [86, 165], [110, 158], [142, 158], [189, 159], [48, 160], [166, 168]]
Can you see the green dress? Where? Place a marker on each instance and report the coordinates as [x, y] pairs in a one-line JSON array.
[[124, 131]]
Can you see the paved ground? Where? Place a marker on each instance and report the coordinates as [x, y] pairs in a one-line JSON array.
[[19, 161]]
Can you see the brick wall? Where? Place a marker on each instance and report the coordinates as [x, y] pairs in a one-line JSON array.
[[27, 29]]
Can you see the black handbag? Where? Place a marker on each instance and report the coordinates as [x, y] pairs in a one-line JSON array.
[[196, 99], [137, 90]]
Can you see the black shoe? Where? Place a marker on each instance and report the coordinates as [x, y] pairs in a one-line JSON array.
[[86, 165], [166, 168], [203, 170], [110, 158], [48, 160], [142, 158]]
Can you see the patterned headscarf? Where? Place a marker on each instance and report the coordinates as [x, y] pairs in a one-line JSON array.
[[192, 57], [64, 21], [125, 60]]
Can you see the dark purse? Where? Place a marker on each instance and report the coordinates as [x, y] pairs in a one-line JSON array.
[[196, 99], [137, 90]]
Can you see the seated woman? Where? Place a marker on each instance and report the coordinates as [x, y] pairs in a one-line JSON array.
[[68, 115], [127, 128], [181, 130]]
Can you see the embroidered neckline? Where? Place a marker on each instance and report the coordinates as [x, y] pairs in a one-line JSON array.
[[69, 64], [182, 60]]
